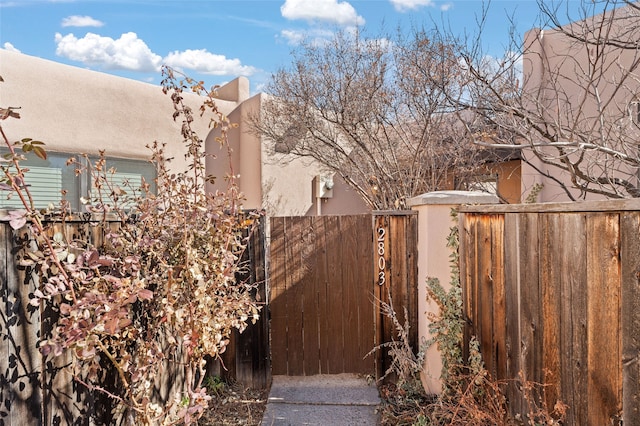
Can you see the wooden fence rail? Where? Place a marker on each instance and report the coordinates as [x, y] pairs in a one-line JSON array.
[[34, 391], [552, 292]]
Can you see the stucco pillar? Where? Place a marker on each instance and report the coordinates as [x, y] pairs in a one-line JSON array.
[[434, 223]]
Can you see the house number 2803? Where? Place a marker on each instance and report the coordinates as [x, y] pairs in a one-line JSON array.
[[382, 263]]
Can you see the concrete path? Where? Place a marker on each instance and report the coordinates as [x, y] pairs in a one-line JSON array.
[[334, 400]]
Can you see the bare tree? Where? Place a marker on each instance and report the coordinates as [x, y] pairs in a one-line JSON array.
[[374, 111], [575, 108]]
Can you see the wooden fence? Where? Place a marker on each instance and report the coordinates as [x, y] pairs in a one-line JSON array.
[[553, 292], [395, 267], [36, 391], [328, 275], [247, 358]]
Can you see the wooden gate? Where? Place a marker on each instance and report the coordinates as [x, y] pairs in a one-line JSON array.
[[328, 275]]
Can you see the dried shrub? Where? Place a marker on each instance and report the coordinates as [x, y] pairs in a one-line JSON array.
[[160, 290], [405, 364]]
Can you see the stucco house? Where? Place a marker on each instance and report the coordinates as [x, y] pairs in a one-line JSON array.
[[585, 92], [74, 110]]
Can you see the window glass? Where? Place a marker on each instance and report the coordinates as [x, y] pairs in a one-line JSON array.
[[47, 178]]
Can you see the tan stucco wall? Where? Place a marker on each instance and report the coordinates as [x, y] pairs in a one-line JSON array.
[[279, 183], [509, 180], [434, 225], [343, 200], [74, 110], [245, 156], [553, 63]]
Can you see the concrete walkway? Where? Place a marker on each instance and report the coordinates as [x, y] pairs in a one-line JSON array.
[[334, 400]]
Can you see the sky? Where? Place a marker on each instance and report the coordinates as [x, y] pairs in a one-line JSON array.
[[219, 40]]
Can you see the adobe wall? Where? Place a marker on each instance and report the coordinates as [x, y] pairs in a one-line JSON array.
[[74, 110]]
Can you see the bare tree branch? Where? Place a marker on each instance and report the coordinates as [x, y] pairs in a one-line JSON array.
[[375, 111]]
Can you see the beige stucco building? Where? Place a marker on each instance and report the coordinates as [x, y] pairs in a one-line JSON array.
[[74, 110], [584, 91]]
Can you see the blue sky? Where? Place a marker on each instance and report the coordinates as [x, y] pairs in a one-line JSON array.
[[218, 40]]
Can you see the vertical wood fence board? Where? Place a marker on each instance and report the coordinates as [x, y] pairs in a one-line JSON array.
[[499, 294], [66, 398], [350, 300], [261, 363], [278, 304], [25, 364], [252, 348], [467, 252], [365, 295], [358, 289], [377, 297], [383, 328], [397, 282], [412, 279], [335, 309], [530, 260], [551, 262], [571, 234], [398, 266], [311, 326], [604, 352], [630, 315], [485, 281], [229, 357], [403, 236], [513, 336], [295, 287], [6, 346], [322, 265]]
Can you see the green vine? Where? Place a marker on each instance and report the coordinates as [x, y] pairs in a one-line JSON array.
[[447, 326]]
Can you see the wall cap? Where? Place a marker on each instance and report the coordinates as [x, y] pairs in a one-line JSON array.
[[453, 198]]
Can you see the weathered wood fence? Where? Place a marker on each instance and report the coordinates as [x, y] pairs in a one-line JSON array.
[[553, 291], [34, 391], [328, 275]]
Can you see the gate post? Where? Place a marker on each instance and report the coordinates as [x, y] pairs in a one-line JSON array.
[[395, 279], [434, 223]]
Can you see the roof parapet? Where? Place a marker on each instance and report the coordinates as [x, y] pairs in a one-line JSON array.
[[235, 91]]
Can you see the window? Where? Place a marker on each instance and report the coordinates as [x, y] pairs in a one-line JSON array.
[[47, 178], [45, 185], [484, 183]]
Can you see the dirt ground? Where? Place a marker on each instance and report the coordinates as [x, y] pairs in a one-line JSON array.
[[233, 405]]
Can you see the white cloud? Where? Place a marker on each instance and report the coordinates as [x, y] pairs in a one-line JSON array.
[[9, 46], [207, 63], [508, 65], [132, 54], [446, 7], [126, 53], [332, 11], [314, 36], [406, 5], [81, 21], [293, 37]]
